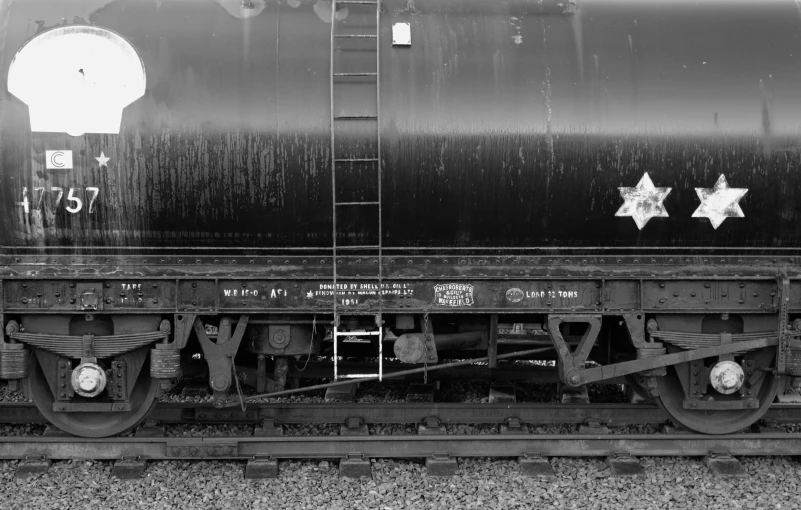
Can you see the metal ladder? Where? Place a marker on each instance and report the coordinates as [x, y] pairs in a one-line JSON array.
[[338, 119]]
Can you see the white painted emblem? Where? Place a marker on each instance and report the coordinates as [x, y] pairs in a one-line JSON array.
[[58, 160], [643, 202], [453, 294], [401, 34], [77, 79], [102, 160], [719, 202], [515, 295]]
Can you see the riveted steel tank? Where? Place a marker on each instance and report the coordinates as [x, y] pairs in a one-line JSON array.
[[516, 123]]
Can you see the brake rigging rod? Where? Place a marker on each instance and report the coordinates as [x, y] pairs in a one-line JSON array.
[[401, 373]]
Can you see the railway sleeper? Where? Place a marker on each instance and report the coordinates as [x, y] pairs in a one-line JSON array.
[[28, 467], [535, 465], [268, 428], [442, 464], [261, 467], [512, 426], [150, 428], [724, 465], [355, 465], [592, 426], [354, 426], [420, 393], [431, 426], [439, 464], [502, 394], [624, 464], [129, 468], [344, 393]]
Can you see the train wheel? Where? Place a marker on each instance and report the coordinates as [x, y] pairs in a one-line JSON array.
[[672, 398], [93, 424]]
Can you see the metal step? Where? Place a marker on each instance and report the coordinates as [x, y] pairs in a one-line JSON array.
[[356, 203], [355, 74], [358, 333], [356, 160], [355, 36]]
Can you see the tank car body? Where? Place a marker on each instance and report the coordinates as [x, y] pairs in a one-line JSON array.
[[294, 177]]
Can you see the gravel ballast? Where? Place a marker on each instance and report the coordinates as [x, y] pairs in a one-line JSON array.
[[480, 483], [8, 395]]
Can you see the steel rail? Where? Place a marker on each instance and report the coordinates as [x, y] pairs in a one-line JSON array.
[[409, 446], [403, 413]]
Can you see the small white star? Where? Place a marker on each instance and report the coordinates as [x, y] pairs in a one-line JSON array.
[[310, 295], [102, 159], [643, 202], [719, 202]]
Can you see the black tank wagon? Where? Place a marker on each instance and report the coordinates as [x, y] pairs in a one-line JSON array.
[[402, 183]]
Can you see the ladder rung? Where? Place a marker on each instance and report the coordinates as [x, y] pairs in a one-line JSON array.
[[355, 36], [355, 74], [363, 247], [357, 203], [358, 333], [356, 376], [353, 160], [355, 117], [365, 2]]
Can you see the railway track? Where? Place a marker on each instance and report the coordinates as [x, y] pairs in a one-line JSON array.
[[391, 413], [439, 451], [354, 446]]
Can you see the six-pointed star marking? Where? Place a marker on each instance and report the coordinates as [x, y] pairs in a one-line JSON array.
[[720, 202], [102, 159], [643, 202]]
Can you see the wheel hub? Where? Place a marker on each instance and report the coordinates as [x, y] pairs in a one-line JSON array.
[[726, 377], [88, 379]]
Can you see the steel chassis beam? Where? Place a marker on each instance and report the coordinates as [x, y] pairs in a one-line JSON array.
[[608, 285]]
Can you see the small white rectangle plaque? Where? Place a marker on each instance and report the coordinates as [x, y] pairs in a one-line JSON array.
[[401, 34], [58, 160]]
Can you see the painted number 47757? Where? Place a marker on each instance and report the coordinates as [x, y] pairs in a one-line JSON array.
[[74, 204]]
